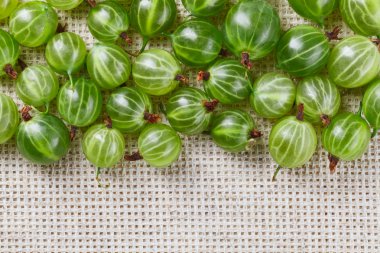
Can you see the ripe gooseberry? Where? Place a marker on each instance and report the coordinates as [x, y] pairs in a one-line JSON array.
[[227, 81], [273, 95], [108, 21], [66, 53], [292, 141], [362, 16], [108, 65], [65, 5], [234, 130], [32, 24], [159, 145], [204, 8], [10, 52], [320, 97], [251, 30], [189, 110], [308, 56], [156, 72], [103, 145], [42, 138], [354, 62], [316, 11], [346, 138], [152, 17], [196, 42], [130, 110], [371, 105], [7, 7], [79, 102], [37, 85], [9, 118]]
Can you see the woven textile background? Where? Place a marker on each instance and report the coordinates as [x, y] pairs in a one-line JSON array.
[[210, 201]]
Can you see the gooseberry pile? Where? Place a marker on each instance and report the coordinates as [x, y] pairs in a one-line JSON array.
[[303, 95]]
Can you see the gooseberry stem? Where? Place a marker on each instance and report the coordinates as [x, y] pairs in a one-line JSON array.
[[71, 80], [334, 34], [162, 108], [211, 105], [333, 163], [203, 76], [73, 132], [136, 156], [10, 71], [92, 3], [300, 112], [181, 78], [374, 132], [246, 61], [152, 118], [47, 107], [145, 43], [325, 120], [279, 168], [22, 64], [25, 115], [360, 111], [98, 174]]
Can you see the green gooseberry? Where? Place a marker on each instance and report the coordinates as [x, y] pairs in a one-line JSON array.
[[189, 110], [108, 65], [79, 102], [156, 72], [32, 24], [234, 130], [10, 51], [204, 8], [7, 7], [37, 85], [65, 5], [354, 62], [130, 110], [320, 97], [346, 138], [316, 10], [273, 95], [371, 104], [66, 53], [303, 51], [227, 81], [9, 118]]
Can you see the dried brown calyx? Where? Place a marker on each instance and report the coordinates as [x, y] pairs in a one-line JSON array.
[[211, 105], [333, 163], [182, 78], [126, 38], [73, 132], [203, 76], [22, 64], [224, 52], [25, 113], [300, 112], [245, 61], [376, 41], [136, 156], [325, 120], [152, 118], [334, 34], [10, 71], [108, 122], [92, 3], [256, 134], [61, 28]]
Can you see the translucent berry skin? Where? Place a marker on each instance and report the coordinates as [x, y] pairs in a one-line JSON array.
[[292, 142], [155, 72], [80, 103], [231, 130], [354, 62], [44, 139], [152, 17], [107, 21], [204, 8], [363, 17], [65, 5], [371, 104], [229, 82], [9, 118], [159, 145], [316, 11], [66, 53], [273, 95], [250, 34], [10, 51], [32, 24], [347, 137], [104, 147], [127, 107], [7, 7], [186, 111], [196, 42], [37, 85], [320, 97], [303, 51], [108, 65]]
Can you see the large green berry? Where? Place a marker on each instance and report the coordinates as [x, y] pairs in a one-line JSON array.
[[7, 7], [10, 51], [316, 10], [65, 4], [9, 118], [204, 8], [371, 104]]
